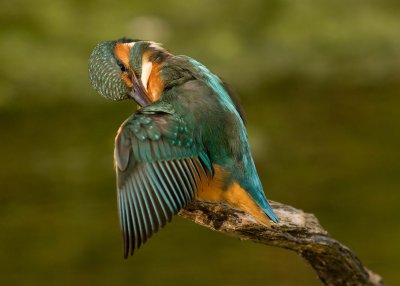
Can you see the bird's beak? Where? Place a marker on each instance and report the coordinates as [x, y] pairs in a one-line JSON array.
[[138, 92]]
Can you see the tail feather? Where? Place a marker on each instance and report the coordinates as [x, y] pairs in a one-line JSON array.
[[269, 211]]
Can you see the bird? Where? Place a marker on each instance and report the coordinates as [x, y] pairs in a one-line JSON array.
[[185, 141]]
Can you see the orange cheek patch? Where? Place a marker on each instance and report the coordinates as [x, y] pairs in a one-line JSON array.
[[121, 51], [155, 85]]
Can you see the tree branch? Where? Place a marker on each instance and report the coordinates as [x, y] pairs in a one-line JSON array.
[[334, 263]]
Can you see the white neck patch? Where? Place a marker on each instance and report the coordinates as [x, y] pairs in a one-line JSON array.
[[147, 66]]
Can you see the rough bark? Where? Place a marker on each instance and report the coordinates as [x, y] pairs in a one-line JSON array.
[[334, 263]]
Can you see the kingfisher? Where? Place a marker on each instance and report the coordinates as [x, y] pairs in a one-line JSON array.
[[186, 140]]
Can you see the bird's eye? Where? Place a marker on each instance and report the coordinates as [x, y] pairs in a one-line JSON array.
[[121, 66]]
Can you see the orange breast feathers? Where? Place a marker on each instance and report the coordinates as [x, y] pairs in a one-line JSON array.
[[234, 195]]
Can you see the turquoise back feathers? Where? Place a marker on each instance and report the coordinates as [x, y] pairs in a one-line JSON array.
[[249, 178]]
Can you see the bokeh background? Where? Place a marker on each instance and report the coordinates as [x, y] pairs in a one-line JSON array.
[[320, 83]]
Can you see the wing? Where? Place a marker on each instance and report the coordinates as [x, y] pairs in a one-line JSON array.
[[160, 167]]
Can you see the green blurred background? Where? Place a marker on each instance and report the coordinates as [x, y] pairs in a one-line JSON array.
[[320, 83]]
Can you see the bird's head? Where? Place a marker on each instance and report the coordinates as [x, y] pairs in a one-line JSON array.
[[127, 69]]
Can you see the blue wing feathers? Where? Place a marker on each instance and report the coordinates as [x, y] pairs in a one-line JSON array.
[[206, 163], [122, 215], [173, 187], [141, 209], [138, 220], [135, 238], [186, 180], [155, 189], [159, 167], [182, 178], [143, 194], [146, 151], [174, 174], [151, 205], [135, 146], [156, 150], [195, 173], [163, 189], [127, 224]]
